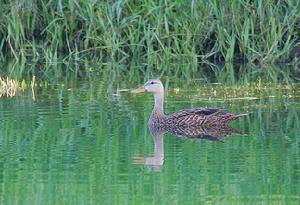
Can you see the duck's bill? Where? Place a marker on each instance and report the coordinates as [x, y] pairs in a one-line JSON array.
[[139, 90], [139, 161]]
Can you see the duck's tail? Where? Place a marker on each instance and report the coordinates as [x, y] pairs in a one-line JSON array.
[[233, 117], [240, 115]]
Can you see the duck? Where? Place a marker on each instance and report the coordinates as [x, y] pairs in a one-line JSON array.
[[187, 118]]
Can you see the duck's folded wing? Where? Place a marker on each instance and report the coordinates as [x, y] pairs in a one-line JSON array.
[[190, 116], [197, 116]]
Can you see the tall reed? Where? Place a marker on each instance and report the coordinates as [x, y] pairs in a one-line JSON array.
[[155, 32]]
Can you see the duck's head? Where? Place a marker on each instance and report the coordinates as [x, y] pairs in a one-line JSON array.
[[153, 86]]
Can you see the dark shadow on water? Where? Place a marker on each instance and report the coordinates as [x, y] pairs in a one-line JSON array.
[[209, 133]]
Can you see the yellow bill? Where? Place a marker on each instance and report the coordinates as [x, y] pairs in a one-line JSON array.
[[139, 90], [139, 161]]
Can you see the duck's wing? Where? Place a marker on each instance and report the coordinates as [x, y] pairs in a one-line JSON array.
[[197, 116]]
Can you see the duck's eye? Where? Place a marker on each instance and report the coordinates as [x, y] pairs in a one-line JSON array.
[[152, 83]]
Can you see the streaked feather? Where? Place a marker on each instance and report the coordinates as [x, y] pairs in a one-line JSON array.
[[196, 117]]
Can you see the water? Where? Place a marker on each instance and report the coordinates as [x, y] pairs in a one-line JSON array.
[[87, 143]]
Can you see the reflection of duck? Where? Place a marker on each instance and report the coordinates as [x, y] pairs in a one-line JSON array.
[[157, 159], [184, 118], [215, 133], [204, 132]]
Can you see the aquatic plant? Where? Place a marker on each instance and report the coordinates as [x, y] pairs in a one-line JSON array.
[[8, 87], [157, 33]]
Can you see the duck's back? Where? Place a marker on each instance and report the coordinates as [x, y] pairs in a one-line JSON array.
[[199, 117]]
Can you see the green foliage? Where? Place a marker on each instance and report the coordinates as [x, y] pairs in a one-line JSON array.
[[156, 33], [8, 87]]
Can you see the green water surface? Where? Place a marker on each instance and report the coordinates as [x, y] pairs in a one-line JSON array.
[[84, 143]]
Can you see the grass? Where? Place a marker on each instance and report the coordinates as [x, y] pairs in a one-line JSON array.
[[37, 35], [8, 87]]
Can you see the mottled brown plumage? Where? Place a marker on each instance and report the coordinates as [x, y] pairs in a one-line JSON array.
[[185, 118], [200, 117]]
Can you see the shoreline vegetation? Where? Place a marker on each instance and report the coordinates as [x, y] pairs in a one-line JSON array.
[[8, 87], [37, 34]]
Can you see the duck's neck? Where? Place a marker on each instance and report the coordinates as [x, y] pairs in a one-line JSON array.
[[158, 109]]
